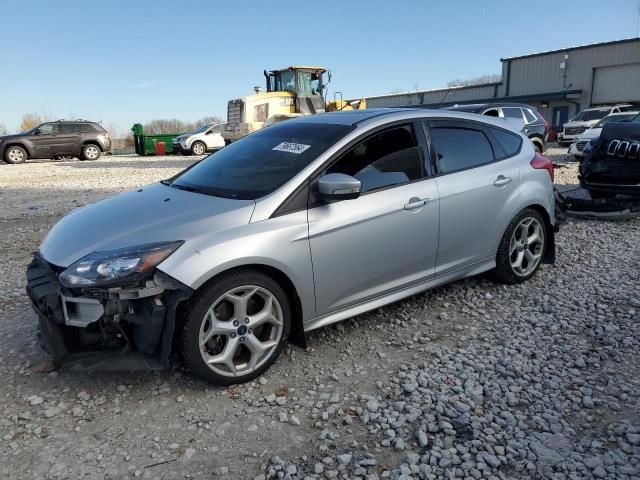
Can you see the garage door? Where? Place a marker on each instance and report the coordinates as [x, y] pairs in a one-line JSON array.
[[619, 83]]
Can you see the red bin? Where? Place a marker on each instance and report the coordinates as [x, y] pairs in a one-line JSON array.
[[160, 148]]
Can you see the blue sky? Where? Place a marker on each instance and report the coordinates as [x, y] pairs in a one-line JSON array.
[[122, 62]]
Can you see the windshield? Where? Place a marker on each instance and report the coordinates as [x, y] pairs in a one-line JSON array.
[[627, 117], [201, 129], [588, 115], [260, 163]]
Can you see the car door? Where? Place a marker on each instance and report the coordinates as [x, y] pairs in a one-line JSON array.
[[44, 140], [385, 239], [213, 137], [477, 188], [69, 139]]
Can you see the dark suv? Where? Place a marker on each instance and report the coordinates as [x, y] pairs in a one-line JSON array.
[[535, 126], [77, 138]]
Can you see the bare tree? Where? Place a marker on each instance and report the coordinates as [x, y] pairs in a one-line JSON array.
[[481, 80], [3, 129], [30, 120]]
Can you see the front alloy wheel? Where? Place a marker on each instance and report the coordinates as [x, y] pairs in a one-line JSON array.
[[15, 155], [198, 148], [239, 334]]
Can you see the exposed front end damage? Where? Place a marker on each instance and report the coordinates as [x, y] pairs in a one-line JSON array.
[[115, 328]]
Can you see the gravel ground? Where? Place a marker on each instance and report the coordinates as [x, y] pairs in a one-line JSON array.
[[471, 380]]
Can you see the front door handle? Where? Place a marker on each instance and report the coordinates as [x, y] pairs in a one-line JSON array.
[[416, 202], [502, 180]]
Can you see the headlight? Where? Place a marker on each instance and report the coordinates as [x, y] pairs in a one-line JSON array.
[[116, 266]]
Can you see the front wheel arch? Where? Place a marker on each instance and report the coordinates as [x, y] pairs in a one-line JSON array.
[[296, 334]]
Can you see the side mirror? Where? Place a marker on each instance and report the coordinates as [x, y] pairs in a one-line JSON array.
[[339, 186], [37, 131]]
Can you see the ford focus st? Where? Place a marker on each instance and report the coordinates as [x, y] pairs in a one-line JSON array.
[[297, 226]]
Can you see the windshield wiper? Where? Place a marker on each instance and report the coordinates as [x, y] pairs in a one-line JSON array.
[[186, 188]]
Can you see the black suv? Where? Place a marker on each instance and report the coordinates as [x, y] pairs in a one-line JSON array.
[[76, 138], [535, 126]]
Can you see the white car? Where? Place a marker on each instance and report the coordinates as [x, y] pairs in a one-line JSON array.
[[586, 119], [581, 140], [205, 139]]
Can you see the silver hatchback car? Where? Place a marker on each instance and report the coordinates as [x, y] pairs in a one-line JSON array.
[[297, 226]]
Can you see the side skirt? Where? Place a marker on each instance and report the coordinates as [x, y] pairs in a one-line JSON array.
[[397, 295]]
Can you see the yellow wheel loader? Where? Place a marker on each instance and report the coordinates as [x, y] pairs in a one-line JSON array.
[[291, 92]]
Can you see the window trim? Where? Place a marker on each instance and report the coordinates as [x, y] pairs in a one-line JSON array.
[[311, 181], [432, 123]]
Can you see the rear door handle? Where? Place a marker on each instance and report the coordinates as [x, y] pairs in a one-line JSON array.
[[502, 180], [416, 202]]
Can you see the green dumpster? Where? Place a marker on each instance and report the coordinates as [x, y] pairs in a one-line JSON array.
[[146, 144]]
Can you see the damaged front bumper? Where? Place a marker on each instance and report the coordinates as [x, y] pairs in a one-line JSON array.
[[117, 328]]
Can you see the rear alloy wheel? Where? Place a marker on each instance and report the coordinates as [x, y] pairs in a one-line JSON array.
[[521, 248], [238, 335], [198, 148], [90, 152], [15, 154]]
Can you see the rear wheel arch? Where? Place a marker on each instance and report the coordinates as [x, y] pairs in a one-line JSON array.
[[549, 253], [92, 142]]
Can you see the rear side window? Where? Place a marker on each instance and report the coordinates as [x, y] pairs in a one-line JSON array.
[[87, 128], [460, 148], [68, 128], [390, 157], [510, 142], [512, 112]]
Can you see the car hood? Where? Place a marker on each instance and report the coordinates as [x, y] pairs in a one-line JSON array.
[[181, 137], [154, 213], [589, 134], [589, 123], [10, 137]]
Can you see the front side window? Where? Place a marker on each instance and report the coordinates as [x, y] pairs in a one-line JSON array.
[[390, 157], [48, 129], [287, 81], [460, 148], [260, 163]]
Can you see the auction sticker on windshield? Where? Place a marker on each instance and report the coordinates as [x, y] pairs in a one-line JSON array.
[[296, 148]]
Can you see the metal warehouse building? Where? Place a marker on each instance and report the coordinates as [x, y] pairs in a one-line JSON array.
[[559, 82]]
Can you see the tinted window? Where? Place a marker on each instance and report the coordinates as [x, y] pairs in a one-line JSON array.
[[259, 163], [588, 115], [460, 148], [48, 128], [492, 113], [510, 142], [387, 158], [529, 115], [68, 128], [512, 112], [86, 128]]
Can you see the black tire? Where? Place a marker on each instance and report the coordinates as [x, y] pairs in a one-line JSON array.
[[597, 195], [15, 154], [198, 147], [200, 303], [90, 152], [504, 272]]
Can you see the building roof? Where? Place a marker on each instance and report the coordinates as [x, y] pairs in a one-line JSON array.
[[568, 49], [432, 90]]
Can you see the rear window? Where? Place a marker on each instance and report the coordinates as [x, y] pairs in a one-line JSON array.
[[260, 163], [512, 112], [510, 142]]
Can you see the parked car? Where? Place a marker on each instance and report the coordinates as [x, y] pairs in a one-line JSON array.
[[611, 165], [535, 126], [200, 141], [580, 141], [294, 227], [586, 119], [77, 138]]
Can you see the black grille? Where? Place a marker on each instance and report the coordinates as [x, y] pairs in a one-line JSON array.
[[574, 130]]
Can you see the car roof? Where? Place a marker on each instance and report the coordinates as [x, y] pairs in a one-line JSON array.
[[382, 115], [469, 107], [629, 112]]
